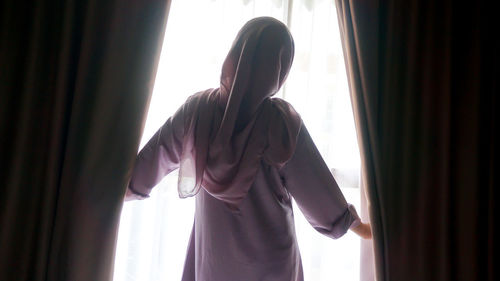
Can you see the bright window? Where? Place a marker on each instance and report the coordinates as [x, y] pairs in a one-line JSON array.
[[154, 233]]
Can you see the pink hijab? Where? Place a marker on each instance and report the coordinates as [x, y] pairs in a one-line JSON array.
[[235, 127]]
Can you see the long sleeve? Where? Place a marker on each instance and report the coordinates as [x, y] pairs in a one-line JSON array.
[[308, 179], [159, 156]]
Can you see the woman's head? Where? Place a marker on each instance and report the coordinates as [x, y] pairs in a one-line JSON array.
[[226, 143], [259, 60]]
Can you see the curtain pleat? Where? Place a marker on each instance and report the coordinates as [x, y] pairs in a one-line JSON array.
[[75, 82], [360, 45], [423, 89]]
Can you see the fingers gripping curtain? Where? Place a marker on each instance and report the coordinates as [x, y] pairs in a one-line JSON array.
[[422, 78], [75, 81]]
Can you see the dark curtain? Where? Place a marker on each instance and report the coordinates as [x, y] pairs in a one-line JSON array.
[[75, 82], [423, 81]]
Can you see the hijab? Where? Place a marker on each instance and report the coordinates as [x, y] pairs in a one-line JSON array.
[[231, 129]]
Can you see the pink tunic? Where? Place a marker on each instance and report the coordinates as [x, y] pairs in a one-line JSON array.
[[258, 241]]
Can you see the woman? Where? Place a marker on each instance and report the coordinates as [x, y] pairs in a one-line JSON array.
[[245, 155]]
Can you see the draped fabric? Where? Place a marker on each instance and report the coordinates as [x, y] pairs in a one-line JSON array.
[[234, 127], [75, 81], [423, 82]]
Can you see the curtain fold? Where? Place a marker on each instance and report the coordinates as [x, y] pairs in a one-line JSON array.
[[359, 34], [75, 82], [422, 77]]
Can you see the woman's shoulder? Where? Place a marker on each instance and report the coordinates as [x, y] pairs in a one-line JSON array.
[[280, 102], [201, 98], [202, 95], [286, 109]]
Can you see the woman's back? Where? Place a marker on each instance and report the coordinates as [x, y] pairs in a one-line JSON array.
[[258, 241]]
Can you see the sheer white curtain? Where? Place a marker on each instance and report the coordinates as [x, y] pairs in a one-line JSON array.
[[154, 233]]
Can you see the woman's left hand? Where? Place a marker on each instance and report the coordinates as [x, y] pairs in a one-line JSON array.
[[364, 230]]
